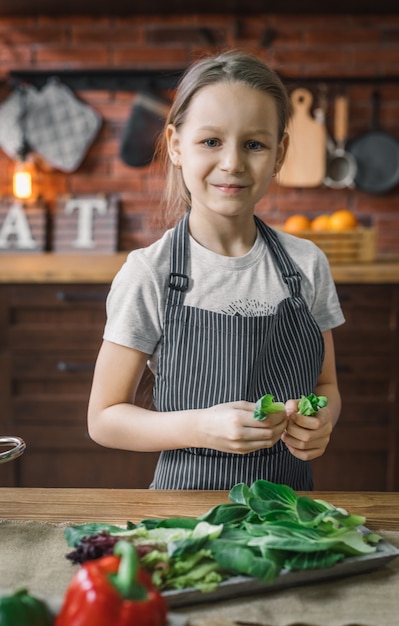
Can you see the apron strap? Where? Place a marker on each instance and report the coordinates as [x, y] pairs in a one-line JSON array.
[[289, 270], [178, 279]]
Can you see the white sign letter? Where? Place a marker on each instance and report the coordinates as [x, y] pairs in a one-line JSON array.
[[86, 208], [16, 223]]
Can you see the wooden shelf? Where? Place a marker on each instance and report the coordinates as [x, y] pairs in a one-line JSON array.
[[70, 268], [60, 268]]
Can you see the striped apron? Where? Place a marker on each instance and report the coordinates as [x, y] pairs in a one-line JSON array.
[[208, 358]]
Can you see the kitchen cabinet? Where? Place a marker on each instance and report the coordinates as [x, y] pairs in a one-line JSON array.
[[49, 339], [363, 452]]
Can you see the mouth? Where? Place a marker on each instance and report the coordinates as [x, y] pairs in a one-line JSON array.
[[229, 189]]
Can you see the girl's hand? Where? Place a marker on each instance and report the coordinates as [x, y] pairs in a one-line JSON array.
[[307, 437], [231, 427]]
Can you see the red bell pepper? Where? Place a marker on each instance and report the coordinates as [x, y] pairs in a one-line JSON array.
[[113, 591]]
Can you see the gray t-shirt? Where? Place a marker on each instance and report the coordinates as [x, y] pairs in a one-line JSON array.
[[250, 285]]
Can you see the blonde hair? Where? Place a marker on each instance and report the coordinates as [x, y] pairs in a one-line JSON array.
[[227, 67]]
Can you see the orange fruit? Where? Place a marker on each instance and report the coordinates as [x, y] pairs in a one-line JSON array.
[[343, 220], [321, 222], [296, 223]]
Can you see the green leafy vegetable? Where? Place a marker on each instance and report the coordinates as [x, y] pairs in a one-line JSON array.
[[280, 521], [74, 534], [240, 559], [266, 405], [265, 529], [309, 405], [312, 560]]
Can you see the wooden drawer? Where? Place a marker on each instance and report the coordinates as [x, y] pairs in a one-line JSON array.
[[54, 337], [371, 320], [348, 471], [65, 455], [102, 468], [67, 364], [363, 341], [368, 306], [362, 411], [356, 459], [50, 317], [50, 388], [32, 296], [368, 377], [57, 437], [56, 387], [51, 408]]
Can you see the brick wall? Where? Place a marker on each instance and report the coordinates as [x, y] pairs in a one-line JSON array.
[[301, 48]]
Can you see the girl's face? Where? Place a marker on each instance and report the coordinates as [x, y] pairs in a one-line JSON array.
[[228, 147]]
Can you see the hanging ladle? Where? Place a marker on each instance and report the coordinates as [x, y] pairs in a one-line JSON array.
[[341, 165]]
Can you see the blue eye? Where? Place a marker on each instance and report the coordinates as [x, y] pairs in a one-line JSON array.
[[212, 143], [254, 145]]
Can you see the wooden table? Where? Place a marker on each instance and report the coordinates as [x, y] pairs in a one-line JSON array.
[[119, 505], [370, 599]]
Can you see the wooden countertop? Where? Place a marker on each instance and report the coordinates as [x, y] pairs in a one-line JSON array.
[[39, 564], [60, 268], [90, 268], [381, 509]]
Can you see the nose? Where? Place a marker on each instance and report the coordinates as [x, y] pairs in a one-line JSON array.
[[232, 159]]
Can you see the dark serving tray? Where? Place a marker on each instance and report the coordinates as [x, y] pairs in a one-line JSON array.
[[245, 585]]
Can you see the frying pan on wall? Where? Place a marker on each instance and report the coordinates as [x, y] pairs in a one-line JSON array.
[[377, 156]]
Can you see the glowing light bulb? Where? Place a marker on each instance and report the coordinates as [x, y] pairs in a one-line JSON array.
[[22, 179]]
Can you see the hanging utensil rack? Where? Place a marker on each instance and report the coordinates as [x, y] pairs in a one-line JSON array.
[[160, 79]]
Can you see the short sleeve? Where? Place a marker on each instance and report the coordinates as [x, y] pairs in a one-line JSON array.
[[134, 306], [325, 307]]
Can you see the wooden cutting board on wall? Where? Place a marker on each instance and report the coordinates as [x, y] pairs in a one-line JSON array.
[[305, 162]]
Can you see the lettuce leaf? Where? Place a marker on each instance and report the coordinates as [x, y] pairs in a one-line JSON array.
[[266, 405]]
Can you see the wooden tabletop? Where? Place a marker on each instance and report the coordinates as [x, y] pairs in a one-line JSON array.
[[381, 509], [370, 599], [97, 268]]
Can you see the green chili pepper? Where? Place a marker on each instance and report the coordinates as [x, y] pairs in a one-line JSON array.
[[23, 609]]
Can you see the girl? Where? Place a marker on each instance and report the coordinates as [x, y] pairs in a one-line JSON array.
[[222, 308]]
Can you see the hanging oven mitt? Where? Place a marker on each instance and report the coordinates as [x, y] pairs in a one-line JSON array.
[[12, 118], [60, 127], [145, 123]]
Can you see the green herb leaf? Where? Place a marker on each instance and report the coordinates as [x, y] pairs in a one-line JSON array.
[[226, 514], [241, 560], [73, 534], [265, 405], [312, 560], [267, 490], [171, 522], [240, 493], [309, 405]]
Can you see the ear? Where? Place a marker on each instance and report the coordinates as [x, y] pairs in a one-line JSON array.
[[173, 142], [281, 152]]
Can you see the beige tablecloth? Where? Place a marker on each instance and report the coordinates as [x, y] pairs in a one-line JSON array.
[[32, 555]]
